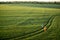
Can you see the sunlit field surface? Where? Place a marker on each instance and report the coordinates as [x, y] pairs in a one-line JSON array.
[[25, 21]]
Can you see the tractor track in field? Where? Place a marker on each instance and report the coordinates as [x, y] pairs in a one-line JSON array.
[[38, 31]]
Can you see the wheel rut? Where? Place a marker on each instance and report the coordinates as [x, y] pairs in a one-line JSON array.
[[38, 31]]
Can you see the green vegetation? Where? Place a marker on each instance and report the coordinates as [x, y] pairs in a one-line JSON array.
[[51, 34], [23, 21]]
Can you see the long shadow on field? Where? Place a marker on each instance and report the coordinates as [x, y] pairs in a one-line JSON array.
[[38, 31], [57, 6]]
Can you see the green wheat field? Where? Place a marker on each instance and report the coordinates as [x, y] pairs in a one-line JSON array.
[[25, 21]]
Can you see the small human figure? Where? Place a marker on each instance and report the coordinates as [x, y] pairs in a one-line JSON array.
[[45, 28]]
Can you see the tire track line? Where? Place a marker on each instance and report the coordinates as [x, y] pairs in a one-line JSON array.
[[29, 34], [36, 32]]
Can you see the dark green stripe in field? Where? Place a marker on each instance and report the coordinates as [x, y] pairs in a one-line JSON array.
[[37, 5]]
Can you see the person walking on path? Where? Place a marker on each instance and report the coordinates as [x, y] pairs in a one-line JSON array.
[[45, 28]]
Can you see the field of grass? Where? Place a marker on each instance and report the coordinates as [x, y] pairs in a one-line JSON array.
[[51, 34], [24, 22]]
